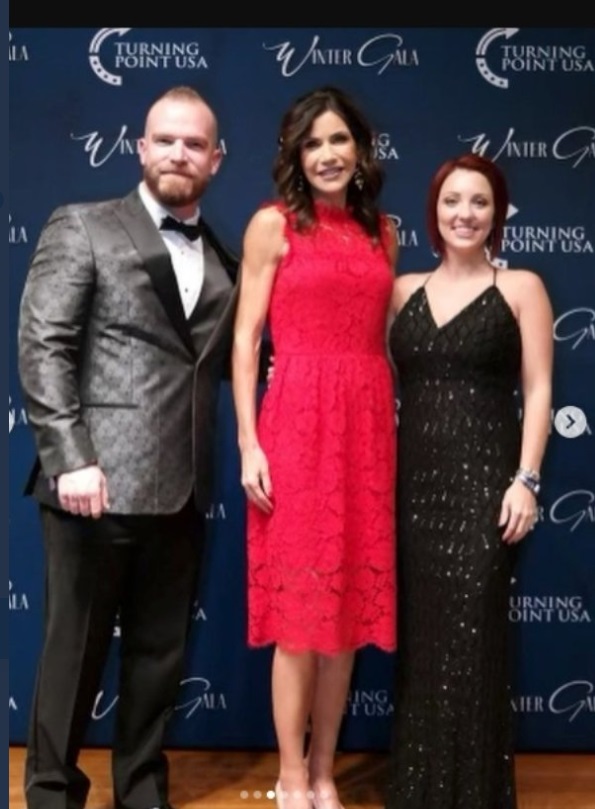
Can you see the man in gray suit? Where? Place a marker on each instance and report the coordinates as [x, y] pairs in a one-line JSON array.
[[124, 334]]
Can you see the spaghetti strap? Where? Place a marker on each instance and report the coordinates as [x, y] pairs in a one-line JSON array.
[[495, 270], [427, 279]]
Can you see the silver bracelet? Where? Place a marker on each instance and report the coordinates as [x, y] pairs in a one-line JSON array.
[[530, 479], [530, 473]]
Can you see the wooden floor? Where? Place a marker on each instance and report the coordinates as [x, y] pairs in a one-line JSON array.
[[245, 780]]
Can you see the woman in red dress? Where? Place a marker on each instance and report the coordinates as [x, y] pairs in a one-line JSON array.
[[318, 457]]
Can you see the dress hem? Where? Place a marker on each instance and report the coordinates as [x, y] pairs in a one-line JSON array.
[[382, 647]]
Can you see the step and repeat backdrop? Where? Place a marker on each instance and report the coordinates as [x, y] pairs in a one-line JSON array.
[[524, 97]]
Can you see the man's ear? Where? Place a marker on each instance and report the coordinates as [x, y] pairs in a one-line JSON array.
[[216, 160]]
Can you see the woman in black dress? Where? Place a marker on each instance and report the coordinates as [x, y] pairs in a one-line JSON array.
[[466, 335]]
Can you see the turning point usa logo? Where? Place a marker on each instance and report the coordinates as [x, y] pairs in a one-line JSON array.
[[567, 237], [110, 53], [512, 57]]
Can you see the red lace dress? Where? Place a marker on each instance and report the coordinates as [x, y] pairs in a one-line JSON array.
[[321, 568]]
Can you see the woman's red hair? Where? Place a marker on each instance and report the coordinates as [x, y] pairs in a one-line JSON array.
[[497, 181]]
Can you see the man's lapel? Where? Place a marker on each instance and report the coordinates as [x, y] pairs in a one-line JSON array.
[[156, 260]]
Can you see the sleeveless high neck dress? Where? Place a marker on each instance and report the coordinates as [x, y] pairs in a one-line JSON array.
[[321, 568], [459, 442]]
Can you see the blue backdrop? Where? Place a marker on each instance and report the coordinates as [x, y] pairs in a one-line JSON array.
[[522, 96]]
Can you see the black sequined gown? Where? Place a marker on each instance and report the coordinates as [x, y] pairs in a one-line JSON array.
[[459, 441]]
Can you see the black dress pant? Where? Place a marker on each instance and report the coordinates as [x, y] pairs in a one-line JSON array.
[[144, 568]]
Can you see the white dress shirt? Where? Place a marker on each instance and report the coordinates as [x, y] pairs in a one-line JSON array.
[[187, 257]]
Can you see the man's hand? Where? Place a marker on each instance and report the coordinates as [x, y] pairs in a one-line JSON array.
[[84, 491]]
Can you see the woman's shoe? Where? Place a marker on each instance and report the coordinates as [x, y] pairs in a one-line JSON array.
[[322, 801], [284, 798]]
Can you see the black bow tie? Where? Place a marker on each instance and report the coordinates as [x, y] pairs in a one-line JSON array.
[[191, 232]]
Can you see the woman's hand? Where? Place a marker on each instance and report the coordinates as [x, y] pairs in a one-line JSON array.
[[518, 512], [271, 369], [256, 479]]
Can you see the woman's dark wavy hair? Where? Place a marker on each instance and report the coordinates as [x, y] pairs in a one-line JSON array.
[[290, 182], [497, 181]]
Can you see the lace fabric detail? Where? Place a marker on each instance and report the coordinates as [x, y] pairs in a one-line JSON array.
[[321, 568]]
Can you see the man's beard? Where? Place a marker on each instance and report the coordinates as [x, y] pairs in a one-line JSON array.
[[174, 190]]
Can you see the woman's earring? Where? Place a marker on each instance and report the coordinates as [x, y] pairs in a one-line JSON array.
[[300, 183], [358, 178], [488, 246]]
